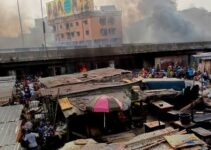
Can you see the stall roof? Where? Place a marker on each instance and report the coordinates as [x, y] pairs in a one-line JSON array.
[[8, 135], [10, 126], [97, 75], [10, 113], [79, 104], [6, 88], [76, 88]]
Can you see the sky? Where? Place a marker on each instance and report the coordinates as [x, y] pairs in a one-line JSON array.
[[184, 4]]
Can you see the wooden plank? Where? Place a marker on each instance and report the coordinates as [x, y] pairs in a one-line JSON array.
[[65, 104], [202, 132], [125, 136], [150, 138]]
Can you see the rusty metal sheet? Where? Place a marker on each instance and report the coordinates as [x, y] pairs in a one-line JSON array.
[[65, 103], [93, 75]]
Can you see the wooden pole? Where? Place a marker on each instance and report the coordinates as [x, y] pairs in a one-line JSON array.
[[56, 107]]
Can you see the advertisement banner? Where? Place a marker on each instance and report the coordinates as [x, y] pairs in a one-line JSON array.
[[62, 8]]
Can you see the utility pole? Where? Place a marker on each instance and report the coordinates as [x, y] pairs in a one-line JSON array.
[[43, 27], [43, 23], [20, 21]]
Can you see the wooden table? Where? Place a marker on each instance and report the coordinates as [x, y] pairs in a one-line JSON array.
[[155, 125]]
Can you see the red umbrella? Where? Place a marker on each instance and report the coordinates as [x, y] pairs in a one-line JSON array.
[[105, 104]]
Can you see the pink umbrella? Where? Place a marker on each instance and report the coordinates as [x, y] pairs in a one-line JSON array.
[[105, 104]]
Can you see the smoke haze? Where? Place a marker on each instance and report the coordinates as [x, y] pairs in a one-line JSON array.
[[144, 21], [159, 21]]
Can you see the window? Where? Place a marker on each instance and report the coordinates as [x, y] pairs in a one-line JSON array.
[[77, 24], [67, 26], [112, 31], [111, 20], [68, 35], [102, 21], [85, 22], [78, 33], [62, 36], [87, 32], [60, 26], [103, 32], [71, 24], [72, 34]]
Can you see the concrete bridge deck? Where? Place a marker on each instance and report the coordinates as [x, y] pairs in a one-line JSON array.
[[59, 53]]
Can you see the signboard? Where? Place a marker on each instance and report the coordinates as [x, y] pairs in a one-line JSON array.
[[62, 8]]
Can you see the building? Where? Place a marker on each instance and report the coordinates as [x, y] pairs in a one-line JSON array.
[[86, 28]]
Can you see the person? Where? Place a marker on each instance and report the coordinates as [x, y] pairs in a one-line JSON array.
[[30, 137], [28, 125]]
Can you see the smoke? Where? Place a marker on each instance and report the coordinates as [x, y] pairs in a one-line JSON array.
[[9, 24], [159, 21]]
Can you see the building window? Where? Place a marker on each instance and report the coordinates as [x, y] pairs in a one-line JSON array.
[[67, 26], [85, 22], [72, 34], [68, 35], [112, 31], [78, 33], [111, 20], [62, 36], [71, 24], [103, 32], [102, 21], [87, 32], [77, 24], [60, 26]]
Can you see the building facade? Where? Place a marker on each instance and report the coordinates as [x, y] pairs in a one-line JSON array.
[[98, 28]]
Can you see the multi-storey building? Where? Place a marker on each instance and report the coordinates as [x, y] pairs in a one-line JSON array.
[[93, 28]]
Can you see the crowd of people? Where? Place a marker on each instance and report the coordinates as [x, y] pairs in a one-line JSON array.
[[36, 127], [175, 71]]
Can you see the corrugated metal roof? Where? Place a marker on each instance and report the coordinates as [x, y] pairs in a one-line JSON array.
[[11, 147], [10, 113], [77, 88], [6, 88], [80, 103], [8, 133], [93, 75]]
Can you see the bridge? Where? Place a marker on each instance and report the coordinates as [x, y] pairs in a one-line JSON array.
[[127, 56], [59, 53]]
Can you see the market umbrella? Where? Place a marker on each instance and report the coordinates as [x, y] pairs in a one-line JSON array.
[[105, 104]]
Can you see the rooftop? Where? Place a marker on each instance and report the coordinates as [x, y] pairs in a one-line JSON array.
[[97, 75], [6, 88], [10, 126]]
